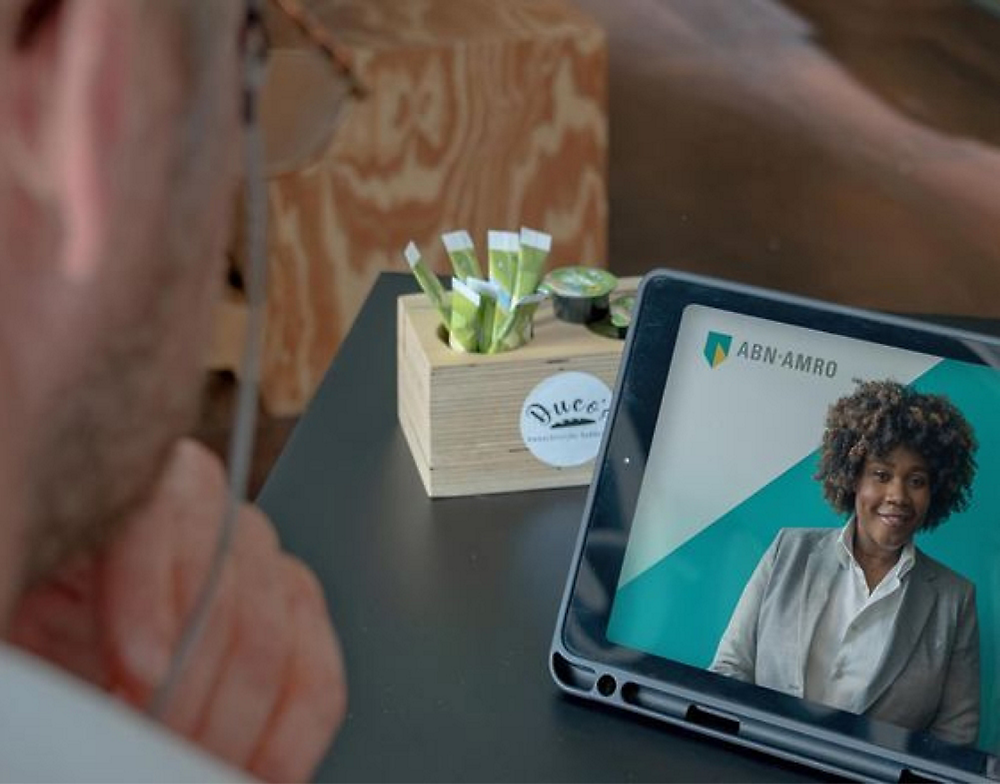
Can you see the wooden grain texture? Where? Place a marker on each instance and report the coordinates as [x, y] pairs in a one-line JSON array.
[[478, 115], [460, 413], [229, 331]]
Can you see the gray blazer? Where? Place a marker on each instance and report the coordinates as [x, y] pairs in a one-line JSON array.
[[928, 678]]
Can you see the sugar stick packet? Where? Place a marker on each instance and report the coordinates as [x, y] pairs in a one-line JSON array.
[[463, 331], [504, 254], [534, 250], [512, 333], [489, 293], [504, 251], [461, 251], [524, 321], [428, 282]]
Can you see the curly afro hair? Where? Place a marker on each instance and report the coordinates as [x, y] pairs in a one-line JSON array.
[[883, 415]]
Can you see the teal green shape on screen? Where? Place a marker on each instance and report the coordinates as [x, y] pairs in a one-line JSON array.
[[970, 542], [679, 607]]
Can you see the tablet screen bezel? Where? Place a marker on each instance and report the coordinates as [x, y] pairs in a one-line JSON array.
[[652, 685]]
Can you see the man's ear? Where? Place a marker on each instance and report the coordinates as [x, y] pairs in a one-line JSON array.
[[70, 63]]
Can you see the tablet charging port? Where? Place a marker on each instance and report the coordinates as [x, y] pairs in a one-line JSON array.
[[712, 721], [606, 685]]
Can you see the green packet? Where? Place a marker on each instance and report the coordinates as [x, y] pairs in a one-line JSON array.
[[534, 250], [504, 253], [621, 310], [428, 281], [504, 249], [514, 332], [524, 325], [463, 331], [490, 294], [616, 323], [460, 249]]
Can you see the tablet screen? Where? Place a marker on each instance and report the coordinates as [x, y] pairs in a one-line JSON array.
[[708, 489]]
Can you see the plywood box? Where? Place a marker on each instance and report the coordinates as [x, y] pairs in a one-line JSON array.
[[468, 418]]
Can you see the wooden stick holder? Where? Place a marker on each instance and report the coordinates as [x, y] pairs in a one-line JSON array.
[[462, 414]]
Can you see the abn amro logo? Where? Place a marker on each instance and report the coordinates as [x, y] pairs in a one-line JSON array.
[[717, 348]]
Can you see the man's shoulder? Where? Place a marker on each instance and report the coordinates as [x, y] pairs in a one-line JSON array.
[[56, 728]]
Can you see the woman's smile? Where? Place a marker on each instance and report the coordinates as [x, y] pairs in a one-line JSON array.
[[895, 518]]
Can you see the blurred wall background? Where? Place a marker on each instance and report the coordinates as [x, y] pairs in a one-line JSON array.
[[844, 150]]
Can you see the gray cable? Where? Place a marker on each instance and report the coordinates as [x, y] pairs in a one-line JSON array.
[[245, 421]]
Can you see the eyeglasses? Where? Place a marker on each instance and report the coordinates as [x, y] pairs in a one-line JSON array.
[[319, 36], [311, 87]]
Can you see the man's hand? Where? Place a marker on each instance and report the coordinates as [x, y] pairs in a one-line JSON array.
[[264, 687]]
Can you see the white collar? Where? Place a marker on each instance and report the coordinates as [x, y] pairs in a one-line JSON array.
[[845, 552]]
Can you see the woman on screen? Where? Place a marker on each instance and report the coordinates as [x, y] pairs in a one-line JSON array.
[[859, 618]]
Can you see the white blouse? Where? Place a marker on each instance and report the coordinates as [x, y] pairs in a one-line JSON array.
[[854, 628]]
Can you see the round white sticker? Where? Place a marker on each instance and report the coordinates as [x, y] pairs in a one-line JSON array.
[[562, 419]]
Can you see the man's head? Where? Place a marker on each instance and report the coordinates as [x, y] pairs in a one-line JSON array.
[[119, 123]]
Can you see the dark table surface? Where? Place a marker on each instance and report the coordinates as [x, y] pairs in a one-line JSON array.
[[446, 607]]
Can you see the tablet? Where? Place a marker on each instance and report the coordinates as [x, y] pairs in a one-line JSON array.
[[715, 584]]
